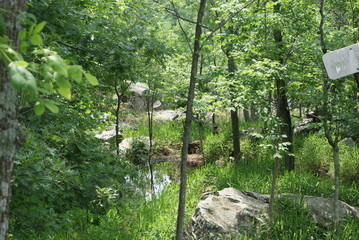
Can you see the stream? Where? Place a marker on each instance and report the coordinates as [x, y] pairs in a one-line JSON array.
[[160, 181]]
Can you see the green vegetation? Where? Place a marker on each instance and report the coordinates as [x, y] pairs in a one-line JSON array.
[[83, 195], [67, 69]]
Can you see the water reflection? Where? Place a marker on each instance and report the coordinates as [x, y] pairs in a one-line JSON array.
[[143, 186]]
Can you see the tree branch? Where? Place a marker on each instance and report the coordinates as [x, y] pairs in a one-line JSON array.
[[221, 24], [176, 14], [184, 32]]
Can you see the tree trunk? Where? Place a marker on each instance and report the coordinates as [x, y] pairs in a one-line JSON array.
[[282, 102], [336, 159], [273, 189], [9, 127], [246, 115], [236, 135], [333, 142], [234, 113], [150, 101], [117, 118], [188, 121], [253, 114]]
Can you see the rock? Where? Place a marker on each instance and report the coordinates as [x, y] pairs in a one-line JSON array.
[[194, 160], [321, 208], [305, 126], [194, 147], [108, 134], [167, 115], [137, 98], [166, 151], [232, 213], [127, 143], [229, 213], [349, 142], [157, 105]]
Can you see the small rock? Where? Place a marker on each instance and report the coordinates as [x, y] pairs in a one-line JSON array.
[[349, 142], [194, 147], [127, 143]]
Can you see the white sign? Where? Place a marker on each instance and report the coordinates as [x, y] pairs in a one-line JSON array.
[[342, 62]]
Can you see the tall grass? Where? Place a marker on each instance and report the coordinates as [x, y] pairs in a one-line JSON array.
[[315, 156]]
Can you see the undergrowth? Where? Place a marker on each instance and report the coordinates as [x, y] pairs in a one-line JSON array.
[[70, 189]]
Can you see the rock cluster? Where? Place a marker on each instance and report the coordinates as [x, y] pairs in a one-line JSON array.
[[232, 213]]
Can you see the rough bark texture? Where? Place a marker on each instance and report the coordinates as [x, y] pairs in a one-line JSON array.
[[9, 129], [283, 111], [188, 121]]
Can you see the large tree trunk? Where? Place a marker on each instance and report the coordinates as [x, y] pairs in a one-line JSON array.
[[188, 121], [282, 103], [9, 130]]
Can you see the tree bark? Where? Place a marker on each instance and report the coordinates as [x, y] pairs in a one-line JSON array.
[[188, 121], [9, 127], [236, 135], [283, 111], [234, 113], [246, 115], [150, 101]]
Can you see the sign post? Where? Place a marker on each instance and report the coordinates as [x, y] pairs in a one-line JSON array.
[[342, 62]]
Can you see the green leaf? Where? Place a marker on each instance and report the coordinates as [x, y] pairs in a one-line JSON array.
[[39, 27], [22, 35], [36, 39], [75, 72], [4, 46], [51, 105], [65, 92], [39, 108], [91, 78], [22, 79], [59, 68], [23, 46], [21, 63], [45, 71], [62, 82]]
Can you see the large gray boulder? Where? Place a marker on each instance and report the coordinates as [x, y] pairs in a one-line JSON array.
[[233, 213]]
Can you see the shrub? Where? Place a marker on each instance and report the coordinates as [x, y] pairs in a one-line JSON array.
[[315, 155]]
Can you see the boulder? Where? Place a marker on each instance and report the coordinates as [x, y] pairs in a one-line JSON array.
[[106, 135], [194, 147], [305, 126], [232, 213], [349, 142], [137, 98], [111, 133], [321, 208], [167, 115], [127, 143]]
